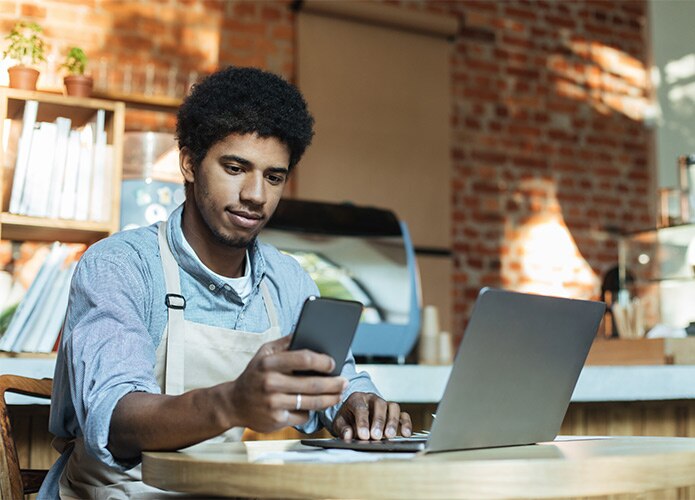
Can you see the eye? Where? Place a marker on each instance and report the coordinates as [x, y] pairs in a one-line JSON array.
[[233, 168], [275, 179]]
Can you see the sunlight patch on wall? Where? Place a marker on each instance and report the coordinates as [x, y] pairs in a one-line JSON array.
[[540, 254], [606, 78]]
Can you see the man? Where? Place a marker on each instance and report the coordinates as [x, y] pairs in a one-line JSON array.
[[178, 333]]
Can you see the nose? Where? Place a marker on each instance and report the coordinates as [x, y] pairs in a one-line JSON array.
[[253, 189]]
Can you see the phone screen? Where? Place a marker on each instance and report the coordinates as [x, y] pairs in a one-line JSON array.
[[327, 326]]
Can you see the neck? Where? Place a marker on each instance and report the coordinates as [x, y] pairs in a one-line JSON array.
[[218, 257]]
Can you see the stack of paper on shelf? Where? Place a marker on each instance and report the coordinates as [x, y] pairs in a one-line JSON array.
[[61, 172], [38, 319]]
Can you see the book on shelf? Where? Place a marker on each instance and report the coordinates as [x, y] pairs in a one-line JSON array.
[[107, 197], [51, 207], [98, 168], [54, 323], [36, 323], [28, 121], [36, 185], [43, 327], [30, 299], [84, 173], [66, 205], [61, 172]]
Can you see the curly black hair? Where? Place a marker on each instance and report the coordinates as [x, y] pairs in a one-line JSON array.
[[243, 100]]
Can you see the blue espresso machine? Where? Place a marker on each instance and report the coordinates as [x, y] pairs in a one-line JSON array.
[[357, 253]]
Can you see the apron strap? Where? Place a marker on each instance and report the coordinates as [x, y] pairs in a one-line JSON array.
[[176, 303], [269, 306], [173, 372]]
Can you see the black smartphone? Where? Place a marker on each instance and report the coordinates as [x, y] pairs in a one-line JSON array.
[[327, 326]]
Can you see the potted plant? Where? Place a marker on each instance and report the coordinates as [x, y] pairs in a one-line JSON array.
[[27, 48], [76, 82]]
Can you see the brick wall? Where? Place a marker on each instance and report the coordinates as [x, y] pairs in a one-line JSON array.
[[548, 150], [548, 147]]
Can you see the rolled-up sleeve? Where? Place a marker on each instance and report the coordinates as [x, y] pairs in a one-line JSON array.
[[108, 350]]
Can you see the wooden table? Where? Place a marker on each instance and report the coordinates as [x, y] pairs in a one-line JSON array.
[[582, 467]]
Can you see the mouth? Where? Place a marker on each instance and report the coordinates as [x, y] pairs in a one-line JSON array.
[[244, 219]]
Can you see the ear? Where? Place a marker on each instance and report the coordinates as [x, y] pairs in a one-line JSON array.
[[186, 165]]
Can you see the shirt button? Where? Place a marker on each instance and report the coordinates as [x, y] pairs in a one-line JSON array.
[[211, 287]]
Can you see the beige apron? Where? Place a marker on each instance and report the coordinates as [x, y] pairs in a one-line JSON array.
[[178, 368]]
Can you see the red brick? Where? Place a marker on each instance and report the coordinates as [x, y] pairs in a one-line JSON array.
[[247, 28], [245, 9], [527, 14], [271, 13], [283, 32]]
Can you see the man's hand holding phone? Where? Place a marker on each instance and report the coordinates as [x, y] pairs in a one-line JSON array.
[[290, 376], [268, 395], [363, 415]]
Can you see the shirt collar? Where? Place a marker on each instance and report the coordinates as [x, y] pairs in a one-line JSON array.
[[202, 273]]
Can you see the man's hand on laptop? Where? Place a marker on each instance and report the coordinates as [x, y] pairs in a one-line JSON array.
[[366, 416]]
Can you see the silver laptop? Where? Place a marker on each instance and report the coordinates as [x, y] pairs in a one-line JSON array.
[[513, 377]]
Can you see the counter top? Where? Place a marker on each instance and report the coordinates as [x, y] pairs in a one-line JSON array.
[[425, 384]]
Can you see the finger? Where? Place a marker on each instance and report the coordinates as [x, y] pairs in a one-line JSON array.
[[392, 420], [293, 384], [306, 402], [274, 346], [406, 424], [301, 360], [360, 412], [378, 417], [342, 428]]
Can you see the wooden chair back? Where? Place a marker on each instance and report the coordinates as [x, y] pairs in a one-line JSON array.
[[14, 481]]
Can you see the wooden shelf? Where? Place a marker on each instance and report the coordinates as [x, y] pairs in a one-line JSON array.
[[152, 102], [144, 101], [80, 111], [24, 227], [28, 355]]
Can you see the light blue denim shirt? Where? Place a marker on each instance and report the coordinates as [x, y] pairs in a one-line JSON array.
[[116, 318]]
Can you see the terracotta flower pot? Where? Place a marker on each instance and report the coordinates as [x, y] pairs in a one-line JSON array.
[[78, 85], [23, 77]]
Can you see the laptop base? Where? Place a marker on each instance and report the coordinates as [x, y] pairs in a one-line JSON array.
[[384, 445]]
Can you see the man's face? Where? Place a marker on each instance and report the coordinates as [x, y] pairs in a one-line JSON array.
[[238, 185]]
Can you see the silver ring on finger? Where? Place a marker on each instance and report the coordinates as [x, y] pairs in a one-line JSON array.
[[298, 406]]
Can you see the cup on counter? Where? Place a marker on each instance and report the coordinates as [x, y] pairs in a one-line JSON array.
[[446, 348], [428, 348], [430, 321]]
